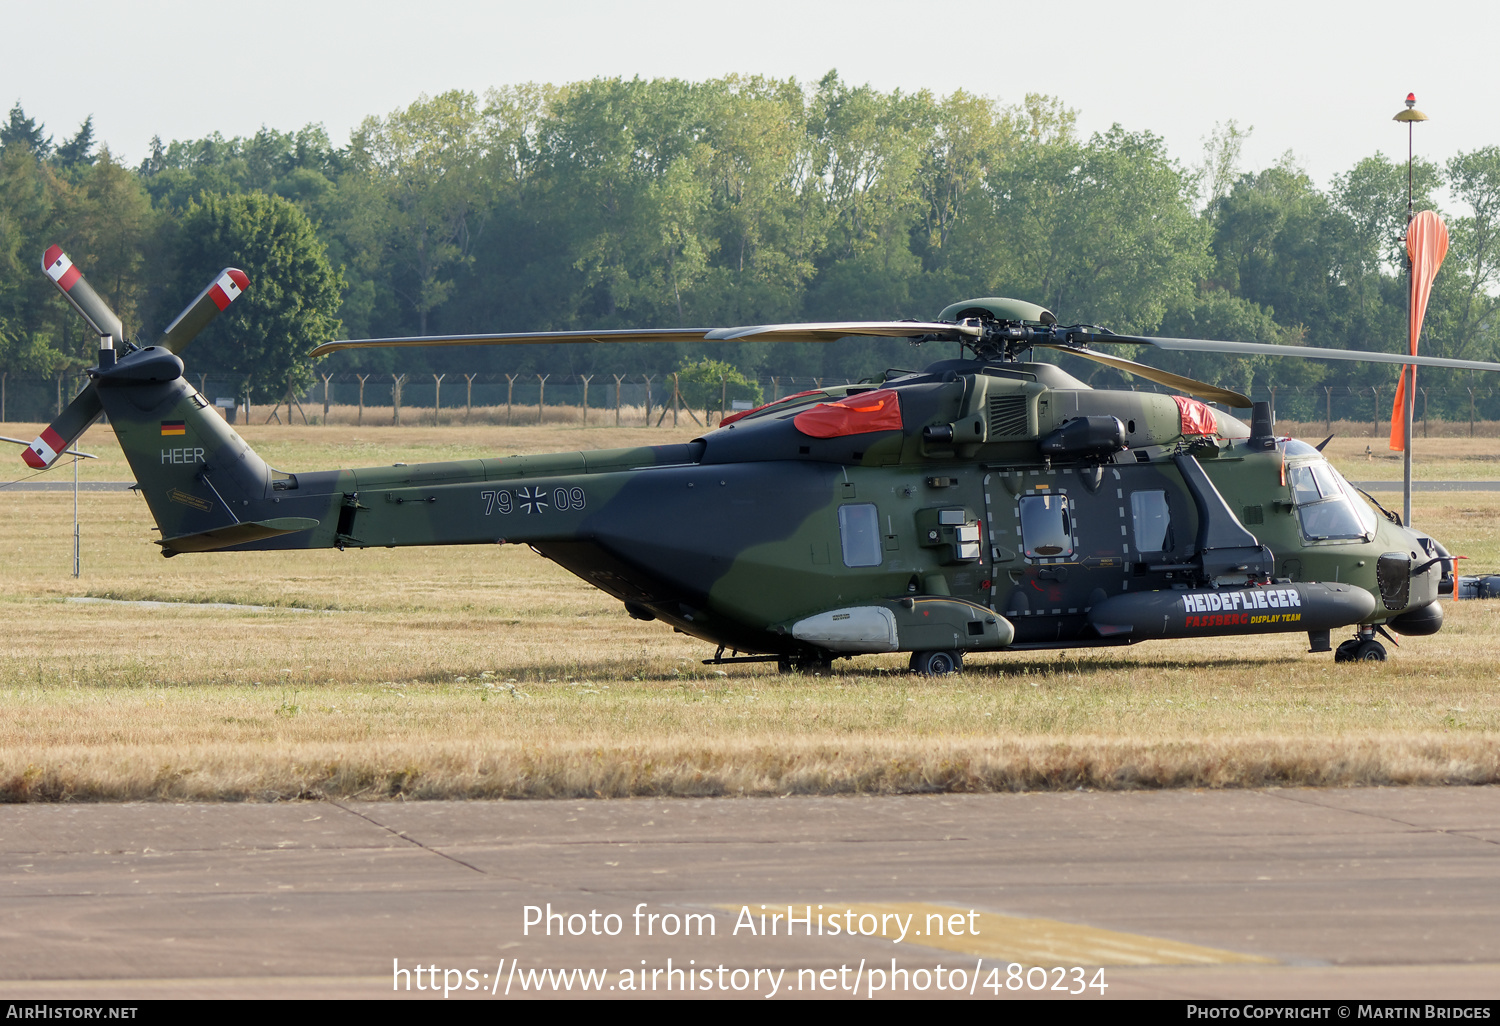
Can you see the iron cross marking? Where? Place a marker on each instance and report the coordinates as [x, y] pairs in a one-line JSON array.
[[533, 500]]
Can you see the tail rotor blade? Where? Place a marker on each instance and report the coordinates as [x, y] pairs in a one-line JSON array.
[[76, 289], [226, 288], [63, 432]]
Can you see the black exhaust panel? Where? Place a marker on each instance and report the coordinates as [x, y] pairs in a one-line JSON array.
[[1393, 572]]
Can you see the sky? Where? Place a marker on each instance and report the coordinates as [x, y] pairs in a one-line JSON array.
[[1321, 79]]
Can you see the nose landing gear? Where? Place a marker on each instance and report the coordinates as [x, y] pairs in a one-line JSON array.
[[1361, 649]]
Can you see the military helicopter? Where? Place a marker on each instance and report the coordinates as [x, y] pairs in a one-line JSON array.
[[981, 504]]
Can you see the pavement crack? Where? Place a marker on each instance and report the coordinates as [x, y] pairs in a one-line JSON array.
[[1388, 819], [409, 839]]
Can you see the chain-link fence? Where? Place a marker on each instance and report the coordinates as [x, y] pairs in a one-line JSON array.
[[635, 400]]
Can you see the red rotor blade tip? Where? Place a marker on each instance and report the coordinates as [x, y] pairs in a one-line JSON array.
[[43, 452], [59, 268], [228, 288]]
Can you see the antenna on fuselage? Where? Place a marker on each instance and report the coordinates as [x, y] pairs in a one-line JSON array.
[[1262, 426]]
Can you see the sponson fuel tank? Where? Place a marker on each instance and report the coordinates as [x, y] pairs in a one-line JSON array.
[[1263, 609]]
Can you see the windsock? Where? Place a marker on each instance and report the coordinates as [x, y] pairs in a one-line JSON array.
[[1426, 245]]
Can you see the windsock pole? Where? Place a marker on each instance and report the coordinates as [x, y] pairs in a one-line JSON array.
[[1408, 372], [76, 539]]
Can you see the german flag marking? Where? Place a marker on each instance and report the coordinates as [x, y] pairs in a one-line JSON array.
[[173, 427]]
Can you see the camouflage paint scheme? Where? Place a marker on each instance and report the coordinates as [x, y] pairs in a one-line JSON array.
[[736, 537]]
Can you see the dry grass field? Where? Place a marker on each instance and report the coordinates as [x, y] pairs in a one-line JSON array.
[[488, 672]]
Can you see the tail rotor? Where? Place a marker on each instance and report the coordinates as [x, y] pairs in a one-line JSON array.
[[86, 408]]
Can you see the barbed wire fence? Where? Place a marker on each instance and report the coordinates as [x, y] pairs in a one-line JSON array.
[[655, 400]]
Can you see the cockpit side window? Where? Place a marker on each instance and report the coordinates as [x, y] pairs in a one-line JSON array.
[[1327, 480], [1304, 488], [1326, 507]]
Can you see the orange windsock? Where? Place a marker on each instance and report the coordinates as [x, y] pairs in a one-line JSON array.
[[1426, 245]]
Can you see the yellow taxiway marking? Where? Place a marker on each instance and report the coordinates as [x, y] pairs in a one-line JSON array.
[[1031, 942]]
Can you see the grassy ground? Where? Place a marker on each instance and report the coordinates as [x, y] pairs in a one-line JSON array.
[[453, 672]]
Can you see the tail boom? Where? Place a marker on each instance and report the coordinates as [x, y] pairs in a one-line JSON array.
[[209, 491]]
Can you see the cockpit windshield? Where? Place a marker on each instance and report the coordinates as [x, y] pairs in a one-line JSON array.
[[1297, 447], [1328, 507]]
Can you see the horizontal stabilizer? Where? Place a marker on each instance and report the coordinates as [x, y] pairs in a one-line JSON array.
[[236, 534]]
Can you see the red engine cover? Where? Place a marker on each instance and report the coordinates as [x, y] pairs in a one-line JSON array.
[[879, 410], [1197, 418]]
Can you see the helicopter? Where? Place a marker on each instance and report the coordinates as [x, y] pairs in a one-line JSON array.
[[982, 504]]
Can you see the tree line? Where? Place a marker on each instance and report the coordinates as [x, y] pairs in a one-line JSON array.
[[742, 200]]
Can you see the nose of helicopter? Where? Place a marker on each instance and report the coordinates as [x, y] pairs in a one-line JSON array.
[[1411, 580]]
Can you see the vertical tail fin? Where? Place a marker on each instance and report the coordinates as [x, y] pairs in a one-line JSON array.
[[206, 488], [195, 472]]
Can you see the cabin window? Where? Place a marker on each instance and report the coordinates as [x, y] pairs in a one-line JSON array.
[[1046, 526], [859, 534], [1152, 520]]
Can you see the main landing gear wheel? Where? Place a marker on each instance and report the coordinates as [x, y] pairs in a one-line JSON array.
[[1360, 650], [936, 664], [791, 664]]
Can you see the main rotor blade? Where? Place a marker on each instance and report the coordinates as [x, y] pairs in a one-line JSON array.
[[829, 331], [77, 291], [517, 338], [1191, 386], [819, 332], [212, 301], [1193, 345]]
